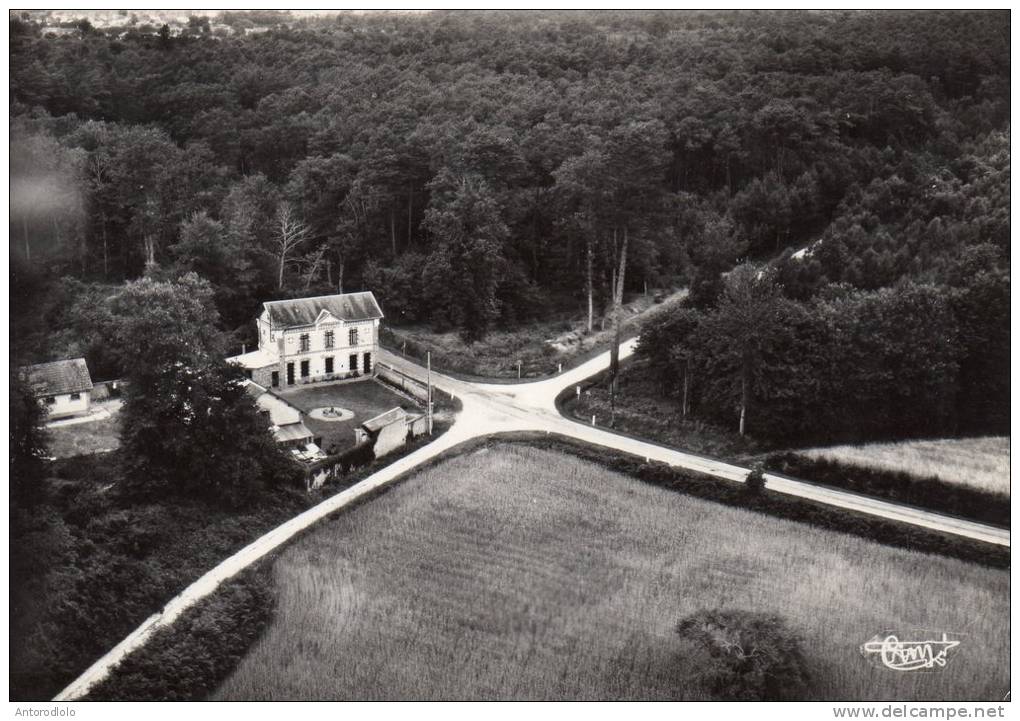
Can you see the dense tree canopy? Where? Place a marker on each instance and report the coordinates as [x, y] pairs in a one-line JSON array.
[[787, 127], [471, 168]]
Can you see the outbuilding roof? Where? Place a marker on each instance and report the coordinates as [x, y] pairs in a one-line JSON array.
[[254, 360], [394, 415], [305, 311], [384, 419], [281, 412], [59, 377], [292, 432]]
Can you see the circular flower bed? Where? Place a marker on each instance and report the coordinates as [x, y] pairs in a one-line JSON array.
[[331, 413]]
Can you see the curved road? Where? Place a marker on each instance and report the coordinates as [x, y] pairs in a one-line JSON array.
[[499, 408]]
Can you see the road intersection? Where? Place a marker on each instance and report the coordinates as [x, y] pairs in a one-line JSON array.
[[490, 409]]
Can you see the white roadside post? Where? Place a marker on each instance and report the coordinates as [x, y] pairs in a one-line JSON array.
[[428, 362]]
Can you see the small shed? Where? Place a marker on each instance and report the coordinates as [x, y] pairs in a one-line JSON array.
[[390, 430], [63, 386]]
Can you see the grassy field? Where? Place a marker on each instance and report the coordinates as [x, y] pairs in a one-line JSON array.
[[981, 463], [366, 399], [518, 573], [540, 346], [78, 439]]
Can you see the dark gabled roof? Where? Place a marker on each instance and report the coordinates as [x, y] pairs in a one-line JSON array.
[[58, 377], [304, 311], [254, 390]]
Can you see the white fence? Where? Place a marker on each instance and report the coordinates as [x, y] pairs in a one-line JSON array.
[[401, 380]]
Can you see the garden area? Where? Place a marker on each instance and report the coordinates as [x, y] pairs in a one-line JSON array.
[[364, 399], [92, 436]]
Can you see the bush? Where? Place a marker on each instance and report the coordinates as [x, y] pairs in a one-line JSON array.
[[751, 656], [754, 484]]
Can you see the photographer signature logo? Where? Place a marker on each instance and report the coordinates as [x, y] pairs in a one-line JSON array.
[[914, 651]]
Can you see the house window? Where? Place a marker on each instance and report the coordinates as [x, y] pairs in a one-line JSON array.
[[304, 369], [353, 336], [76, 396], [352, 362], [306, 343], [329, 364], [275, 379], [328, 339]]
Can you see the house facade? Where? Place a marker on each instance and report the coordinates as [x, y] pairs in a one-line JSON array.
[[305, 340], [63, 387]]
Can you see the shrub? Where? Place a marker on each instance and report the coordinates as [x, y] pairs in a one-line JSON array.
[[751, 656], [754, 484]]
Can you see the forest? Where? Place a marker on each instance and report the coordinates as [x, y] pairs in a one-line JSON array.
[[474, 169]]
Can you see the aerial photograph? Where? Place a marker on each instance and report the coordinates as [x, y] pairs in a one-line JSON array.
[[509, 355]]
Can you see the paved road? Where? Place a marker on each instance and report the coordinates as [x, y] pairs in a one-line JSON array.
[[500, 408], [494, 408]]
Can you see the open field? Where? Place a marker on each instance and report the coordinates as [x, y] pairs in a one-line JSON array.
[[514, 572], [366, 399], [541, 346], [981, 463]]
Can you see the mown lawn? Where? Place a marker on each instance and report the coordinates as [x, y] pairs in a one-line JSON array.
[[981, 463], [366, 399], [519, 573]]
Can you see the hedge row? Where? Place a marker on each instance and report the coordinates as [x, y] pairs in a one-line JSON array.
[[883, 531], [189, 659], [931, 493]]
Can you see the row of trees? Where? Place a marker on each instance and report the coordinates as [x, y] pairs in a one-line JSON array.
[[485, 162], [916, 359]]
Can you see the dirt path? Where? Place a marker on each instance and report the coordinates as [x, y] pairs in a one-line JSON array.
[[498, 408]]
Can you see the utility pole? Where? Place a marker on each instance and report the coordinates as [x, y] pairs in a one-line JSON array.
[[428, 364]]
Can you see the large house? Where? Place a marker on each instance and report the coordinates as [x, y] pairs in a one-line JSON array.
[[312, 339], [63, 386]]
